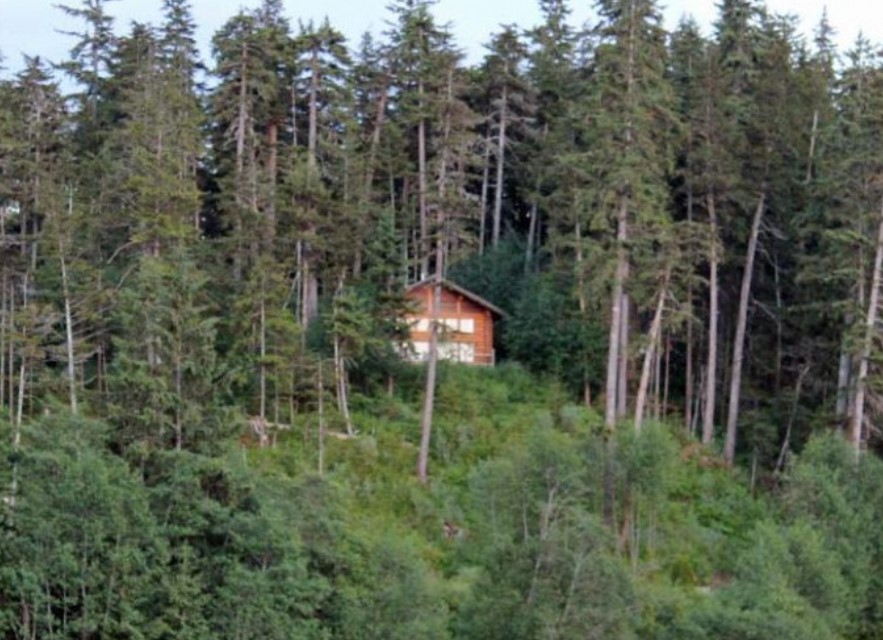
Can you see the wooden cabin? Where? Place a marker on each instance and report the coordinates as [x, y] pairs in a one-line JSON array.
[[466, 324]]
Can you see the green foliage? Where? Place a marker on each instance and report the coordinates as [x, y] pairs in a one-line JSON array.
[[175, 258], [80, 548], [164, 389]]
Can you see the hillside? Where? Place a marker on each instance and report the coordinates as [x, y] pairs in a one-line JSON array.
[[534, 525], [674, 242]]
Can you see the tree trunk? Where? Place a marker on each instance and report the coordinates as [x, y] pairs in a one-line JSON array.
[[532, 231], [582, 297], [263, 350], [858, 413], [786, 442], [741, 326], [711, 365], [429, 396], [622, 390], [311, 283], [613, 355], [11, 350], [421, 187], [310, 305], [269, 238], [379, 119], [313, 124], [501, 155], [68, 334], [242, 123], [812, 147], [440, 241], [340, 372], [4, 313], [320, 401], [485, 187], [689, 374], [649, 355], [844, 376]]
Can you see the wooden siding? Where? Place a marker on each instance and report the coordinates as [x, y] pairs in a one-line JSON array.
[[454, 307]]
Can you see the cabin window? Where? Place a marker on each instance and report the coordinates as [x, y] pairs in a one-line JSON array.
[[460, 325], [454, 351], [421, 350]]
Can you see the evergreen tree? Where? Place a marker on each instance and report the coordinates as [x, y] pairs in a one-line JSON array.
[[630, 134], [508, 97], [163, 391]]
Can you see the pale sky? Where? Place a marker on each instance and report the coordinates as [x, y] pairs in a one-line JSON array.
[[31, 26]]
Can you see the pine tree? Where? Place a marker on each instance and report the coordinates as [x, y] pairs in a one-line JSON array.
[[163, 391], [508, 103], [418, 47], [554, 78], [689, 53], [247, 50], [157, 148], [630, 131]]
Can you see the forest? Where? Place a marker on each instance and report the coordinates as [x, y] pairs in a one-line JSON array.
[[207, 429]]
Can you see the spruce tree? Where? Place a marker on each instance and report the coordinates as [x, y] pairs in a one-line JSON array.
[[630, 131]]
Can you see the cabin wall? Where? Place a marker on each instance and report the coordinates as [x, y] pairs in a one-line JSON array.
[[476, 334]]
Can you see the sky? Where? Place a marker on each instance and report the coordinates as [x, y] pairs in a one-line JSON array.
[[32, 26]]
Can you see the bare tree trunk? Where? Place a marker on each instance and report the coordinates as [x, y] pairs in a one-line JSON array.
[[16, 436], [622, 238], [310, 304], [613, 356], [858, 413], [711, 365], [68, 333], [432, 367], [657, 377], [622, 399], [421, 187], [4, 314], [689, 374], [263, 349], [292, 93], [298, 286], [741, 326], [320, 390], [11, 350], [786, 443], [340, 372], [812, 146], [431, 371], [532, 231], [241, 126], [313, 124], [22, 379], [19, 411], [485, 187], [272, 176], [582, 297], [649, 355], [844, 376], [379, 119], [179, 373], [501, 154]]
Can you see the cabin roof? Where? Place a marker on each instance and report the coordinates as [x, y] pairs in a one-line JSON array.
[[451, 286]]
